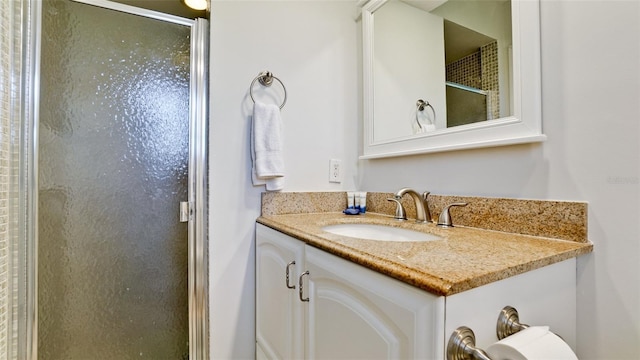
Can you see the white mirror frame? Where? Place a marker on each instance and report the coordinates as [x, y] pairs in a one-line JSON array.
[[524, 126]]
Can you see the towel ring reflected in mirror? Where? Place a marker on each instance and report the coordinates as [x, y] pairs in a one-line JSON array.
[[266, 78], [421, 105]]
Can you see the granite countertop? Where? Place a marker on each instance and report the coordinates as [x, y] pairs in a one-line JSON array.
[[463, 259]]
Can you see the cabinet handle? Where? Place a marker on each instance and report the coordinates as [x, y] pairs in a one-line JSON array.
[[300, 290], [287, 276]]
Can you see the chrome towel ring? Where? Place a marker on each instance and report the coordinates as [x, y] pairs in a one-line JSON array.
[[265, 78], [420, 106]]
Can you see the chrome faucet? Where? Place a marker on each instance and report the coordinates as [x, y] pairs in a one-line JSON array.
[[423, 215]]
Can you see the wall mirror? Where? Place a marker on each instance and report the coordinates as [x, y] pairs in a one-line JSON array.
[[444, 75]]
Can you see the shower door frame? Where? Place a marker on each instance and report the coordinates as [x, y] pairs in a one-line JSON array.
[[197, 178]]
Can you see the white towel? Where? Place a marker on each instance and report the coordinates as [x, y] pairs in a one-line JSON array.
[[266, 147]]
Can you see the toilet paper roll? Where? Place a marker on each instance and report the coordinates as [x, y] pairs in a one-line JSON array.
[[533, 343]]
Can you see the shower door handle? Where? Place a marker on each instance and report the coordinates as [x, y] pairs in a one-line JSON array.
[[185, 211]]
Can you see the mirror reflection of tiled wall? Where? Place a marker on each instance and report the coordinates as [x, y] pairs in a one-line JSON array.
[[480, 71]]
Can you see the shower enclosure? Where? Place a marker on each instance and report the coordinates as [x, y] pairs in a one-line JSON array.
[[116, 261]]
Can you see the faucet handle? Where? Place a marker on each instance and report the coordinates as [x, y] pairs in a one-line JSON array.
[[427, 212], [400, 213], [444, 220]]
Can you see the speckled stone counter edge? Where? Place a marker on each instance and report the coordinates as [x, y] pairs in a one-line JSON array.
[[462, 259], [553, 219]]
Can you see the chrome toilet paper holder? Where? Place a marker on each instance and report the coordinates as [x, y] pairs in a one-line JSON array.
[[462, 346], [462, 343], [508, 323]]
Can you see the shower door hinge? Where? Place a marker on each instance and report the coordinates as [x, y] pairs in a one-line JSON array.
[[186, 211]]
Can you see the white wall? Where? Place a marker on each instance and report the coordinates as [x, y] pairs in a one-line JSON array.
[[591, 114], [312, 47]]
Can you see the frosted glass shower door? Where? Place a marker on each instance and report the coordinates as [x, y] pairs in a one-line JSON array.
[[112, 170]]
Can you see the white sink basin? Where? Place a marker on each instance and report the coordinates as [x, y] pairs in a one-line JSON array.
[[379, 232]]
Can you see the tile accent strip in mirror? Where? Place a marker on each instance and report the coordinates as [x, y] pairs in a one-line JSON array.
[[563, 220], [479, 70]]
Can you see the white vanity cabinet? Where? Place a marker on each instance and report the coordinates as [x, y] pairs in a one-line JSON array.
[[357, 313], [352, 312], [279, 312]]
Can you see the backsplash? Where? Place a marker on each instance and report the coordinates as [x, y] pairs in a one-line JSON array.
[[278, 203], [553, 219]]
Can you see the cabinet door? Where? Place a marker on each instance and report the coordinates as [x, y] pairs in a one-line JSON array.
[[356, 313], [279, 317]]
